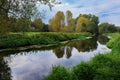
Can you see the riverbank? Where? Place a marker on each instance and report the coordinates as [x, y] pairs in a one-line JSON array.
[[13, 40], [101, 67]]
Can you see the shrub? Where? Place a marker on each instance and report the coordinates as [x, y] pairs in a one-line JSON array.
[[84, 71], [58, 73]]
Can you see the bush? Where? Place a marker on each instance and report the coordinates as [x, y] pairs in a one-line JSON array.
[[58, 73], [84, 71]]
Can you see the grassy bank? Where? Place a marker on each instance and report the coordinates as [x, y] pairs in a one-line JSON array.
[[37, 38], [101, 67]]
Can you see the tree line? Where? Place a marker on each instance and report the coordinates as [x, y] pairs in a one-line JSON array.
[[83, 23], [61, 22]]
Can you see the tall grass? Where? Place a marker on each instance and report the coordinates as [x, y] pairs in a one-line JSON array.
[[37, 38]]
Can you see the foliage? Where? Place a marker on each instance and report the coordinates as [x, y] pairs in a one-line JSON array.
[[59, 73], [90, 17], [81, 24], [57, 22], [22, 8], [38, 24], [84, 71], [4, 23], [107, 28], [91, 26]]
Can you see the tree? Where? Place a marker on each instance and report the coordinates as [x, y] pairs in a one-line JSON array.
[[107, 28], [92, 28], [21, 8], [38, 24], [58, 22], [22, 24], [70, 21], [81, 24], [90, 17], [4, 25]]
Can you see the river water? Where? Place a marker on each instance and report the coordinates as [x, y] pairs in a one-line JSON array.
[[35, 64]]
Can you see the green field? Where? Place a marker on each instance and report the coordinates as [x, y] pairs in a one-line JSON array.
[[101, 67], [20, 39]]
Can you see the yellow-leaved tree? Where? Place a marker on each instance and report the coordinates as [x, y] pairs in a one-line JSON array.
[[58, 22], [81, 24]]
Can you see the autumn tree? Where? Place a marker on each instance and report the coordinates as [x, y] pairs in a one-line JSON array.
[[82, 23], [92, 26], [69, 21], [58, 22]]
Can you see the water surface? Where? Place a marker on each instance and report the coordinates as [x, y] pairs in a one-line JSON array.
[[36, 64]]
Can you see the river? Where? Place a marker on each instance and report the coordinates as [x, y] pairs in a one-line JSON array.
[[35, 64]]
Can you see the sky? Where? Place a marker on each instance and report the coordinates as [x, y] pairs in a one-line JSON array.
[[106, 10]]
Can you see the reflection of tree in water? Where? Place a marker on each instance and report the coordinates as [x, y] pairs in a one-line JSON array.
[[80, 45], [68, 52], [5, 72], [61, 51], [103, 39], [84, 45]]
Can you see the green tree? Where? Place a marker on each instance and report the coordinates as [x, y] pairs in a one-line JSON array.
[[38, 24], [92, 28], [23, 8], [107, 28], [23, 25]]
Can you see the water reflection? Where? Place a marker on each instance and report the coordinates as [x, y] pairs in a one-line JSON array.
[[80, 45], [35, 64], [103, 39], [5, 72]]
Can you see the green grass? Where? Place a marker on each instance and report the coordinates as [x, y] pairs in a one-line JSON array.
[[101, 67], [114, 39], [37, 38]]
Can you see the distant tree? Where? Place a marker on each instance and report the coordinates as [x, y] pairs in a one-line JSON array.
[[52, 25], [58, 22], [4, 25], [38, 24], [82, 23], [45, 28], [92, 28], [70, 21], [107, 28], [118, 28], [23, 24], [90, 17]]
